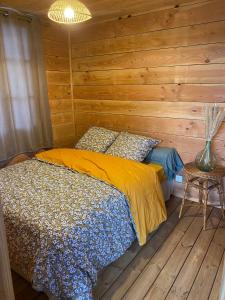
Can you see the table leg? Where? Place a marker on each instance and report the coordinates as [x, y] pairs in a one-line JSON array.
[[183, 200], [200, 192], [221, 196], [205, 200]]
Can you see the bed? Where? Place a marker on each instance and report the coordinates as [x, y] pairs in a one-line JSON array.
[[64, 225]]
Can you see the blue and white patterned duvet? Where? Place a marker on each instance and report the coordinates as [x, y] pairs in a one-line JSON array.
[[62, 226]]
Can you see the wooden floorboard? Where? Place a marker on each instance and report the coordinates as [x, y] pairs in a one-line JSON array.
[[155, 265], [175, 262], [179, 261], [203, 284], [189, 271], [214, 295]]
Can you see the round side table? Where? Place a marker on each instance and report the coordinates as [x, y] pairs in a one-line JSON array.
[[204, 182]]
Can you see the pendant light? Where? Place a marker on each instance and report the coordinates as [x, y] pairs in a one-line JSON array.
[[68, 12]]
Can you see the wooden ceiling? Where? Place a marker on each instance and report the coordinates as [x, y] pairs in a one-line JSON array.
[[100, 9]]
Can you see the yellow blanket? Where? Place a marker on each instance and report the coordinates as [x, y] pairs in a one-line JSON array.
[[138, 181]]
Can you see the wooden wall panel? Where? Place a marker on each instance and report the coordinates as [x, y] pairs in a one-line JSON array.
[[182, 110], [165, 92], [60, 106], [193, 55], [104, 9], [153, 73], [56, 53], [176, 16], [211, 73], [184, 127], [55, 77], [177, 37]]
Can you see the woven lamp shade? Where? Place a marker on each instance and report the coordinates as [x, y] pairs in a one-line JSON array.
[[68, 12]]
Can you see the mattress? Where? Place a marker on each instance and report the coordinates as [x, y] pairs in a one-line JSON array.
[[63, 227]]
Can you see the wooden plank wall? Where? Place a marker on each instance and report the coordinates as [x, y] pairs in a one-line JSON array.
[[56, 53], [153, 73]]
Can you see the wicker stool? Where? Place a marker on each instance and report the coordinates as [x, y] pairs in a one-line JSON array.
[[204, 182]]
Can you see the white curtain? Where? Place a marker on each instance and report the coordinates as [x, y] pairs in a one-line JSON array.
[[25, 124]]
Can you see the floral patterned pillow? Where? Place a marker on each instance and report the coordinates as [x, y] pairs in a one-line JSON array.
[[97, 139], [132, 146]]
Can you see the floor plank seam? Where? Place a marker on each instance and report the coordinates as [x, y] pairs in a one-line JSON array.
[[189, 255], [196, 216], [221, 261], [203, 261], [150, 258], [171, 253]]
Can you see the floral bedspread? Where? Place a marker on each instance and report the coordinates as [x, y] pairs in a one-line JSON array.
[[62, 226]]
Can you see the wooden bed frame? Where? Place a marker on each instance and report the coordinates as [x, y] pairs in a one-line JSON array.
[[20, 158], [17, 159]]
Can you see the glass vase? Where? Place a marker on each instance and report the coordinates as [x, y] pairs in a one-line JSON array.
[[205, 160]]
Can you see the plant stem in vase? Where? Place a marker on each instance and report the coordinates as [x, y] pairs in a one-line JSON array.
[[214, 115]]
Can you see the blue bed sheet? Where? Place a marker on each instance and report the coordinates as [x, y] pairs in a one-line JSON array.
[[168, 158]]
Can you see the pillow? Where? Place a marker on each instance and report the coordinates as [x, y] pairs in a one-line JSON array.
[[132, 146], [97, 139]]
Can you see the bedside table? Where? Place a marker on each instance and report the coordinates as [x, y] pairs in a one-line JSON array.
[[204, 182]]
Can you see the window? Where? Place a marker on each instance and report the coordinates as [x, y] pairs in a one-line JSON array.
[[24, 112]]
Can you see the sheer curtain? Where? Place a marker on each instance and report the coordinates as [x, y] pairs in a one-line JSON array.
[[25, 123]]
